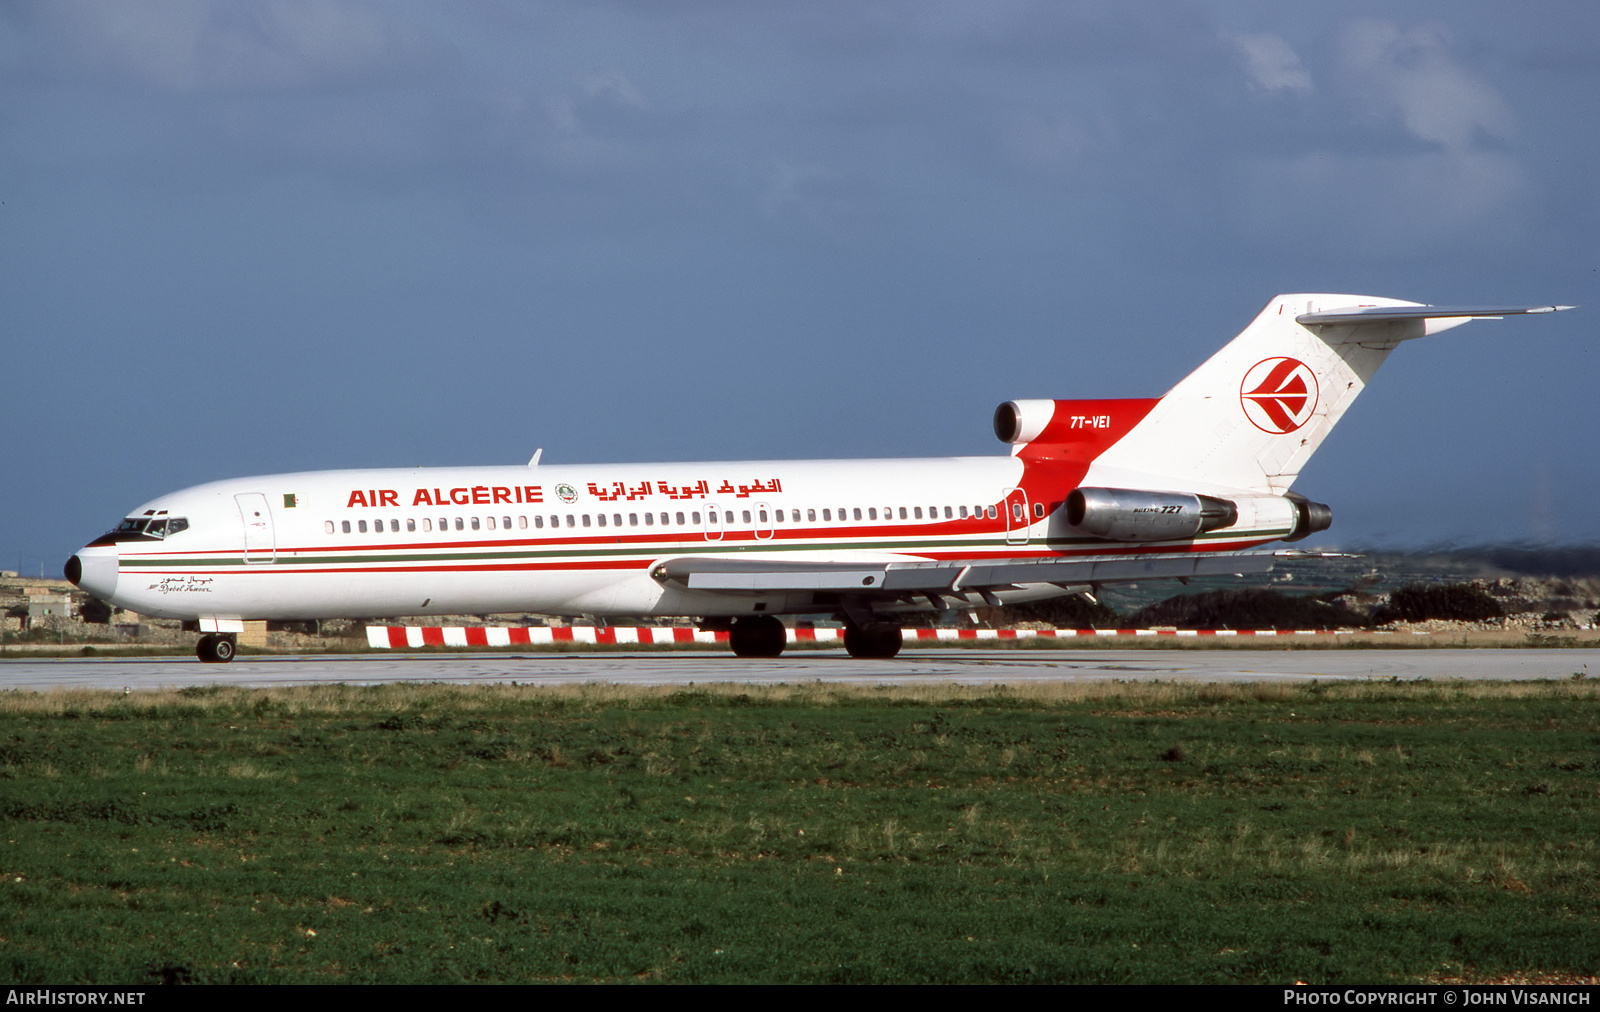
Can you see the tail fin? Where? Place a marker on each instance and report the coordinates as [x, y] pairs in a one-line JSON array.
[[1255, 412]]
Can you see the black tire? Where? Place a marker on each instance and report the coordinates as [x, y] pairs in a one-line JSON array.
[[875, 640], [215, 648], [757, 636]]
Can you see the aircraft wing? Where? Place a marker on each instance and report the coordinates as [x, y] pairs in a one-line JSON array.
[[907, 579]]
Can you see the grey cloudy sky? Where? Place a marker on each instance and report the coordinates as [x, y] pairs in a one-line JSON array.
[[265, 235]]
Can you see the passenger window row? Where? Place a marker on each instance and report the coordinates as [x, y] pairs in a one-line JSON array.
[[674, 519]]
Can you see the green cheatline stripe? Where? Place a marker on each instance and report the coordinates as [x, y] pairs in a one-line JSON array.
[[703, 548]]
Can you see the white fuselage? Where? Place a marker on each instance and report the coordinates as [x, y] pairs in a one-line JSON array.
[[571, 540]]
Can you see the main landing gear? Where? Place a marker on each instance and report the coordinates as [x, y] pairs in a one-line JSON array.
[[765, 636], [757, 636], [216, 648], [873, 640]]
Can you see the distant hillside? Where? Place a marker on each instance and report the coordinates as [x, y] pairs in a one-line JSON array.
[[1554, 587], [1568, 561], [1255, 608]]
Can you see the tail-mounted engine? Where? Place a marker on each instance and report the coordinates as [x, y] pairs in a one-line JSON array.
[[1022, 421], [1123, 514], [1079, 430], [1310, 517]]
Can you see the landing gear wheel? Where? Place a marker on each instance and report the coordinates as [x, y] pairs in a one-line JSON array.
[[757, 636], [215, 648], [879, 640]]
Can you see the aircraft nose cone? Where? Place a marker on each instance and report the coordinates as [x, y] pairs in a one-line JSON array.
[[94, 570]]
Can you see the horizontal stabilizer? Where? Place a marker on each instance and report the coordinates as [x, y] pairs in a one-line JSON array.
[[1252, 415], [1378, 314]]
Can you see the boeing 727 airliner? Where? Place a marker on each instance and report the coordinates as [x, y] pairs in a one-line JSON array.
[[1093, 492]]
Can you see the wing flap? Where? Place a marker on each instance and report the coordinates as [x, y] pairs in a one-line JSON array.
[[977, 575], [951, 576], [852, 579]]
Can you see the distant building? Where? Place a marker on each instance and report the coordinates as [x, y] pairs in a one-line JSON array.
[[44, 602]]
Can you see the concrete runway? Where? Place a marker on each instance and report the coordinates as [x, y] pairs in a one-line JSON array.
[[959, 666]]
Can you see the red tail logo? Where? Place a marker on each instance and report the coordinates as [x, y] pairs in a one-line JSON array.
[[1279, 394]]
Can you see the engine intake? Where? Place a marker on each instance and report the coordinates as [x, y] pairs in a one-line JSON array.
[[1123, 514], [1022, 421]]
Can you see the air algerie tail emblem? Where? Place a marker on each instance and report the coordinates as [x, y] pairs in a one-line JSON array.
[[1279, 394]]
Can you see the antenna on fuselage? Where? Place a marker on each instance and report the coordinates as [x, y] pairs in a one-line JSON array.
[[533, 461]]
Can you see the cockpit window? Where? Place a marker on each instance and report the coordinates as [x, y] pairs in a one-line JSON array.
[[145, 529]]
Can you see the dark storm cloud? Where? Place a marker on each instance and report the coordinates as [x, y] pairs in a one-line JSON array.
[[183, 46]]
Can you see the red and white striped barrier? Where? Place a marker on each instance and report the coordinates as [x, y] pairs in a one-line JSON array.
[[1017, 634], [379, 636], [385, 636]]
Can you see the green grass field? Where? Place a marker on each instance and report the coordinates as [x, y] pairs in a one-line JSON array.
[[1115, 832]]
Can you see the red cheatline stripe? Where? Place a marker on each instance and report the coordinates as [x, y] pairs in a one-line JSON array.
[[484, 568], [645, 539], [288, 564]]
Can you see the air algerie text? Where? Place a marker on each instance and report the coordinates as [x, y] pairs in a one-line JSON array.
[[471, 495], [489, 495]]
